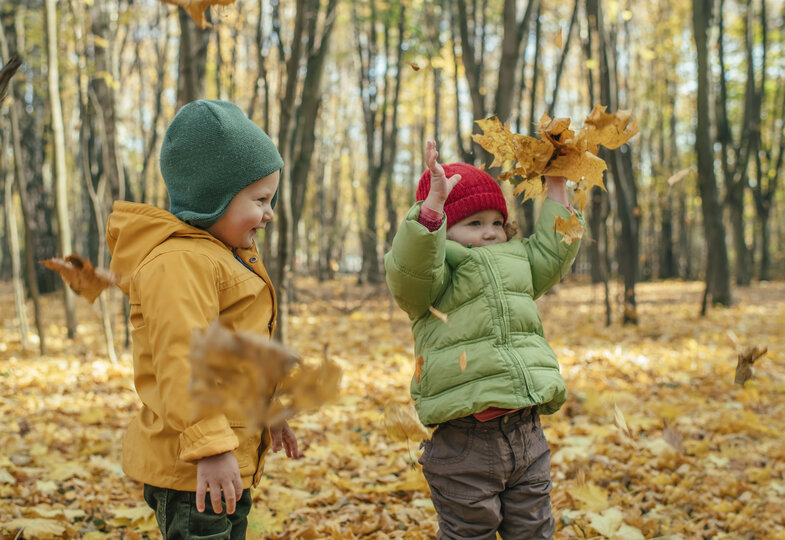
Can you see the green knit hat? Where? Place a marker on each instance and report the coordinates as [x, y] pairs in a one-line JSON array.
[[210, 152]]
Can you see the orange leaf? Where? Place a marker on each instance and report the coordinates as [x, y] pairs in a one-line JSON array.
[[196, 8], [744, 365], [462, 361], [81, 276], [418, 368], [414, 66]]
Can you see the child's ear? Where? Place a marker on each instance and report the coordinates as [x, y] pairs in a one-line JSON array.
[[511, 229]]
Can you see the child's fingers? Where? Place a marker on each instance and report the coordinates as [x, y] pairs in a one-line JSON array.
[[238, 486], [230, 496], [275, 434], [201, 490], [215, 497], [451, 181]]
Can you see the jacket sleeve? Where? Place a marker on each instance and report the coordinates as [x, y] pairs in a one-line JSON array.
[[178, 293], [549, 257], [415, 266]]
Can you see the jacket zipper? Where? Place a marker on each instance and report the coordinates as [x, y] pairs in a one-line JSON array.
[[505, 331]]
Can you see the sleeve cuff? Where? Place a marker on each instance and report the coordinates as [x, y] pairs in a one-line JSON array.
[[429, 218], [207, 437]]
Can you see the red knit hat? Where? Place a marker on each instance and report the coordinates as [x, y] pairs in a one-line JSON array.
[[477, 191]]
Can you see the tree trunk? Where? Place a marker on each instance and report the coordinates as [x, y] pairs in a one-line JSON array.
[[58, 156], [21, 186], [620, 166], [718, 274], [12, 233], [192, 59], [285, 222]]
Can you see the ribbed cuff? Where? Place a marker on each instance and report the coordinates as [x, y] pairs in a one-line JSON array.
[[429, 218]]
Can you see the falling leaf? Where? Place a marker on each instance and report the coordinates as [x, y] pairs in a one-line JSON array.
[[462, 361], [609, 130], [226, 364], [81, 276], [681, 175], [571, 229], [402, 424], [674, 438], [744, 365], [558, 41], [621, 423], [414, 66], [439, 314], [196, 8], [418, 368]]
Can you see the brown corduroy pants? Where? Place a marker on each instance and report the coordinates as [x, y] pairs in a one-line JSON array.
[[490, 476]]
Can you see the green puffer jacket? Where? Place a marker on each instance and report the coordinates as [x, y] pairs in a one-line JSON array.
[[488, 296]]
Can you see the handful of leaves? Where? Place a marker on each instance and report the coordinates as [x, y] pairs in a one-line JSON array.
[[559, 151], [227, 365]]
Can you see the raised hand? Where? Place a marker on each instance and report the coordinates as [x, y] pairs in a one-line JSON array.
[[441, 186]]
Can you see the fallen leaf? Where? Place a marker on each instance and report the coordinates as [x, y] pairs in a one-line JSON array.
[[81, 276], [414, 66], [462, 361]]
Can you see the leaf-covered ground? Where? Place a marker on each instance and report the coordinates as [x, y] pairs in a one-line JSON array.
[[704, 458]]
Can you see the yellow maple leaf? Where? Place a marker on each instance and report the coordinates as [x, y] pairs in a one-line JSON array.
[[496, 139], [576, 164], [571, 229], [402, 424], [530, 188], [196, 8], [609, 130]]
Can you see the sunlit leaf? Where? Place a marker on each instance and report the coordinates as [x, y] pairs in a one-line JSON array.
[[402, 424]]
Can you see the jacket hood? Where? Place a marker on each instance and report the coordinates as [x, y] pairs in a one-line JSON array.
[[133, 230]]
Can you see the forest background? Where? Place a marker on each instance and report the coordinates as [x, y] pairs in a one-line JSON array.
[[350, 90]]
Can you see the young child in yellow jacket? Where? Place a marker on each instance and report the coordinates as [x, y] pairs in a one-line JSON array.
[[185, 268]]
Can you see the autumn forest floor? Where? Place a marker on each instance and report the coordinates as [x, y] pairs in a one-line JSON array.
[[704, 457]]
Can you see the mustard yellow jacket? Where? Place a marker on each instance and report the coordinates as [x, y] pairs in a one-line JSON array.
[[180, 278]]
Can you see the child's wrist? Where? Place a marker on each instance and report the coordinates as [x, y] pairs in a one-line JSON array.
[[434, 206]]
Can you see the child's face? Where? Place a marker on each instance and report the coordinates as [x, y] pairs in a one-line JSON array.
[[249, 210], [479, 229]]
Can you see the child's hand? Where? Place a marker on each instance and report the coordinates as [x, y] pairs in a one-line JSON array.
[[557, 189], [218, 473], [441, 186], [284, 437]]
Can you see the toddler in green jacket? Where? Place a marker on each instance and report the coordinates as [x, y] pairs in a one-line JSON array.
[[485, 374]]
